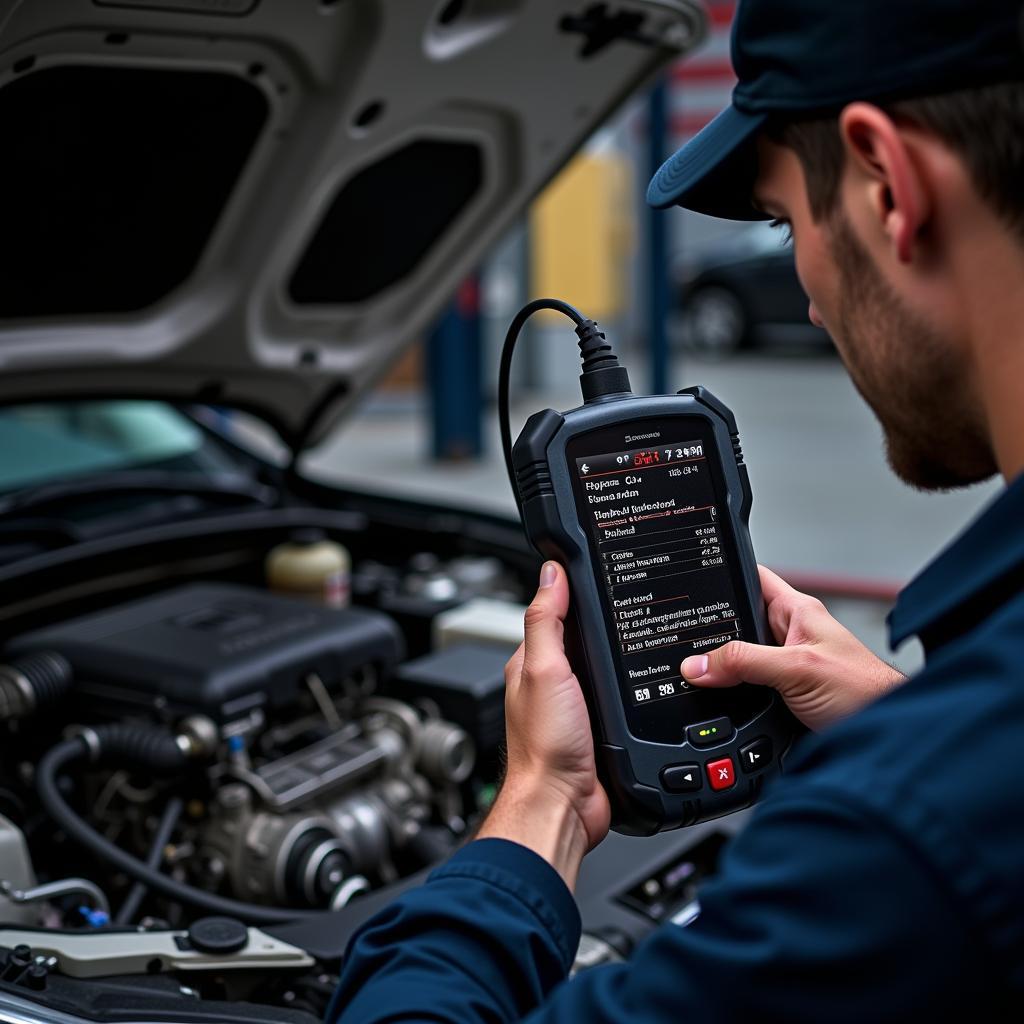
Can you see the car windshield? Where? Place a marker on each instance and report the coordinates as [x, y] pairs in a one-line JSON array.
[[47, 442], [61, 441]]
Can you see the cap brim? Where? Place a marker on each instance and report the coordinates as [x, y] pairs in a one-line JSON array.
[[714, 172]]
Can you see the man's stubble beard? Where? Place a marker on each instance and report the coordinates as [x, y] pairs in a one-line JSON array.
[[909, 375]]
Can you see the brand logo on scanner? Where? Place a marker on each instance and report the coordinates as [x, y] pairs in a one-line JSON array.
[[642, 437]]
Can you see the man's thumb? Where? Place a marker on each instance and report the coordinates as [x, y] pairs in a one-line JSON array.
[[738, 662], [543, 622]]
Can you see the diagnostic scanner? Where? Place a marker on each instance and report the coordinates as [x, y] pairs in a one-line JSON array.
[[645, 501]]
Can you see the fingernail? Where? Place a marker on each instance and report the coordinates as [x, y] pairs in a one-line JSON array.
[[695, 667], [548, 574]]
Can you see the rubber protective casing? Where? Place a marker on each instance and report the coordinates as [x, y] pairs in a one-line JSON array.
[[630, 768]]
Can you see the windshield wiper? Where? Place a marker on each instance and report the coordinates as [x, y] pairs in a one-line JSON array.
[[217, 487]]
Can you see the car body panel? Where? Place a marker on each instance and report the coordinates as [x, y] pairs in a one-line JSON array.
[[259, 204]]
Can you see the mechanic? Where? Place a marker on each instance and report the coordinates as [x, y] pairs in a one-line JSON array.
[[881, 878]]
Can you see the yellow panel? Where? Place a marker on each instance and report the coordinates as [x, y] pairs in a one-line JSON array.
[[581, 237]]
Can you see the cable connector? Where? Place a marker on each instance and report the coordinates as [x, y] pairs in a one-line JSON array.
[[602, 375]]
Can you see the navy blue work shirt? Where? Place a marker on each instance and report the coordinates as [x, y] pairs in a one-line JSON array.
[[881, 879]]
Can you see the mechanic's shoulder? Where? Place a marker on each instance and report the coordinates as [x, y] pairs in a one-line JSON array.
[[972, 679], [934, 764], [945, 745]]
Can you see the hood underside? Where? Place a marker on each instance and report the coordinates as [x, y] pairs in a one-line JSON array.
[[259, 203]]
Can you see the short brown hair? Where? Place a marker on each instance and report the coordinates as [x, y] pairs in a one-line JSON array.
[[984, 125]]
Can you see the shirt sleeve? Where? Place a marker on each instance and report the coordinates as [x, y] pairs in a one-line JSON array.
[[820, 912], [485, 938]]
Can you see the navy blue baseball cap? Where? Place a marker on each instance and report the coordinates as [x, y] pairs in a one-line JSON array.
[[801, 57]]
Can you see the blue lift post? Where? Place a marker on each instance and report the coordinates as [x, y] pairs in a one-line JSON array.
[[658, 291], [455, 377]]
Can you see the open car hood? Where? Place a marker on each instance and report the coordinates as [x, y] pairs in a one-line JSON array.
[[258, 203]]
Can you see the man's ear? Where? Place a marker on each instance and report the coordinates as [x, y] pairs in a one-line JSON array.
[[896, 191]]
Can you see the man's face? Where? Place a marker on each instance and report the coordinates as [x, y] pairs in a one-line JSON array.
[[909, 372]]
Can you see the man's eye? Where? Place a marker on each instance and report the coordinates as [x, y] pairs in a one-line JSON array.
[[785, 227]]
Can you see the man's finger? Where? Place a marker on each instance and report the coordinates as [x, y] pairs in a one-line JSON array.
[[784, 602], [543, 634], [739, 662], [773, 586]]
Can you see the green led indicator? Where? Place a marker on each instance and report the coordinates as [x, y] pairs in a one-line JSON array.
[[708, 732]]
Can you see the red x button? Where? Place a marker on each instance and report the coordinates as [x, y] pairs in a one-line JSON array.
[[721, 774]]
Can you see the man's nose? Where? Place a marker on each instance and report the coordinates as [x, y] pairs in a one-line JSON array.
[[813, 316]]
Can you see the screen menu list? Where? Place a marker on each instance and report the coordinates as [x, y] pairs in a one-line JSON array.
[[653, 515]]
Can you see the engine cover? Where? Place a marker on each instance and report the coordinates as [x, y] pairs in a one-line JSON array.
[[216, 649]]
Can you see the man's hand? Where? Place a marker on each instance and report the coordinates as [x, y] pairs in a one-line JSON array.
[[550, 800], [822, 670]]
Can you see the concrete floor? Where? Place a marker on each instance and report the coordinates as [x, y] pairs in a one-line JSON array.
[[824, 500]]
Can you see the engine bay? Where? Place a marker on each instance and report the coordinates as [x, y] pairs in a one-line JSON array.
[[207, 786]]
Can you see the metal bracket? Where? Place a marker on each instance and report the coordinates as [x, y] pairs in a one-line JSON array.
[[104, 953]]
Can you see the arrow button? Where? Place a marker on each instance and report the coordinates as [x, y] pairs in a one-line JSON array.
[[756, 755], [681, 778]]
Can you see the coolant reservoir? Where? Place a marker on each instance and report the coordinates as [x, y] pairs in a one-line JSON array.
[[312, 566]]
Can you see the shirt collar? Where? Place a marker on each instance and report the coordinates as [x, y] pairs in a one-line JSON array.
[[988, 551]]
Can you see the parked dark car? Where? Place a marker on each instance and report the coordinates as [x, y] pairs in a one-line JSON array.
[[744, 292]]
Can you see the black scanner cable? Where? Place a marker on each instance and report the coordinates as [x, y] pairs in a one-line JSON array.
[[602, 376]]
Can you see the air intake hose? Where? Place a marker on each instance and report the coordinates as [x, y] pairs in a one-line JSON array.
[[33, 681]]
